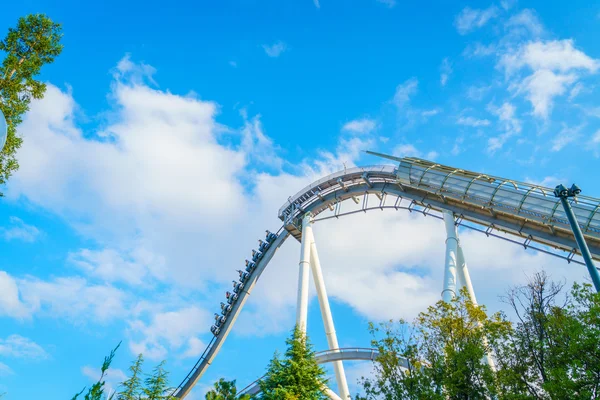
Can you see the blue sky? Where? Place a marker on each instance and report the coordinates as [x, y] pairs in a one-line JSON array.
[[170, 136]]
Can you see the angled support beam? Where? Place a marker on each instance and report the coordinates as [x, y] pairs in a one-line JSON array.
[[465, 278], [332, 341]]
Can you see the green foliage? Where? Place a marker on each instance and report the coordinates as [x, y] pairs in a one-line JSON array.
[[154, 387], [96, 391], [552, 351], [132, 386], [440, 356], [157, 384], [225, 390], [297, 375], [34, 42]]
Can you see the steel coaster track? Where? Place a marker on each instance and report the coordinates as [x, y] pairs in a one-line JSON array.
[[327, 356], [383, 182]]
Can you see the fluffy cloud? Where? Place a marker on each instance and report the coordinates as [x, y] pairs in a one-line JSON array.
[[10, 301], [554, 67], [404, 92], [525, 23], [170, 331], [17, 346], [470, 19], [409, 150], [364, 125], [275, 49], [473, 122], [19, 230], [509, 124], [566, 136]]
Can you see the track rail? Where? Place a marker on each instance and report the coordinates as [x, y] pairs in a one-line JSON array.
[[327, 356], [491, 213]]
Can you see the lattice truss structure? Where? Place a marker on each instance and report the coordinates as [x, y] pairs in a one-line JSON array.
[[522, 213]]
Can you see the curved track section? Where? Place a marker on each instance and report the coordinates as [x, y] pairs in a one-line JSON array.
[[345, 354], [517, 208], [491, 203]]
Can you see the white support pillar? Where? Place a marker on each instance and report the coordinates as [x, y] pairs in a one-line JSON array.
[[451, 258], [303, 277], [332, 341], [463, 275]]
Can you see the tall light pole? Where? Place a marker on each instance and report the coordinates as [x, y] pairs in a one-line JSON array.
[[563, 194]]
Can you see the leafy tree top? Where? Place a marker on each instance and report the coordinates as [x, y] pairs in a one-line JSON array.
[[34, 42]]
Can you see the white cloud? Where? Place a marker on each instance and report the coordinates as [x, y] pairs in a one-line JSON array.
[[470, 19], [364, 125], [404, 92], [542, 87], [17, 346], [112, 266], [555, 66], [317, 4], [233, 64], [554, 55], [525, 22], [19, 230], [446, 70], [408, 150], [170, 331], [566, 136], [548, 181], [10, 301], [72, 298], [431, 113], [509, 124], [473, 122], [257, 147], [275, 49], [389, 3], [5, 370]]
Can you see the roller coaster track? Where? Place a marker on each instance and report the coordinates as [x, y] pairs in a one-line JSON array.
[[518, 212], [328, 356]]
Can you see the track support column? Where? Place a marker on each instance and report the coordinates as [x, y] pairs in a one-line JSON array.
[[465, 279], [303, 276], [451, 257], [332, 341]]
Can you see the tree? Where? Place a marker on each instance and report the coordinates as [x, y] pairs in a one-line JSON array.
[[297, 375], [554, 350], [157, 384], [132, 386], [225, 390], [33, 43], [440, 356], [96, 391]]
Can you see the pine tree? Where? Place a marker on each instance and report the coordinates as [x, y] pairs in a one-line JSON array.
[[132, 386], [297, 375], [157, 384], [34, 42]]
